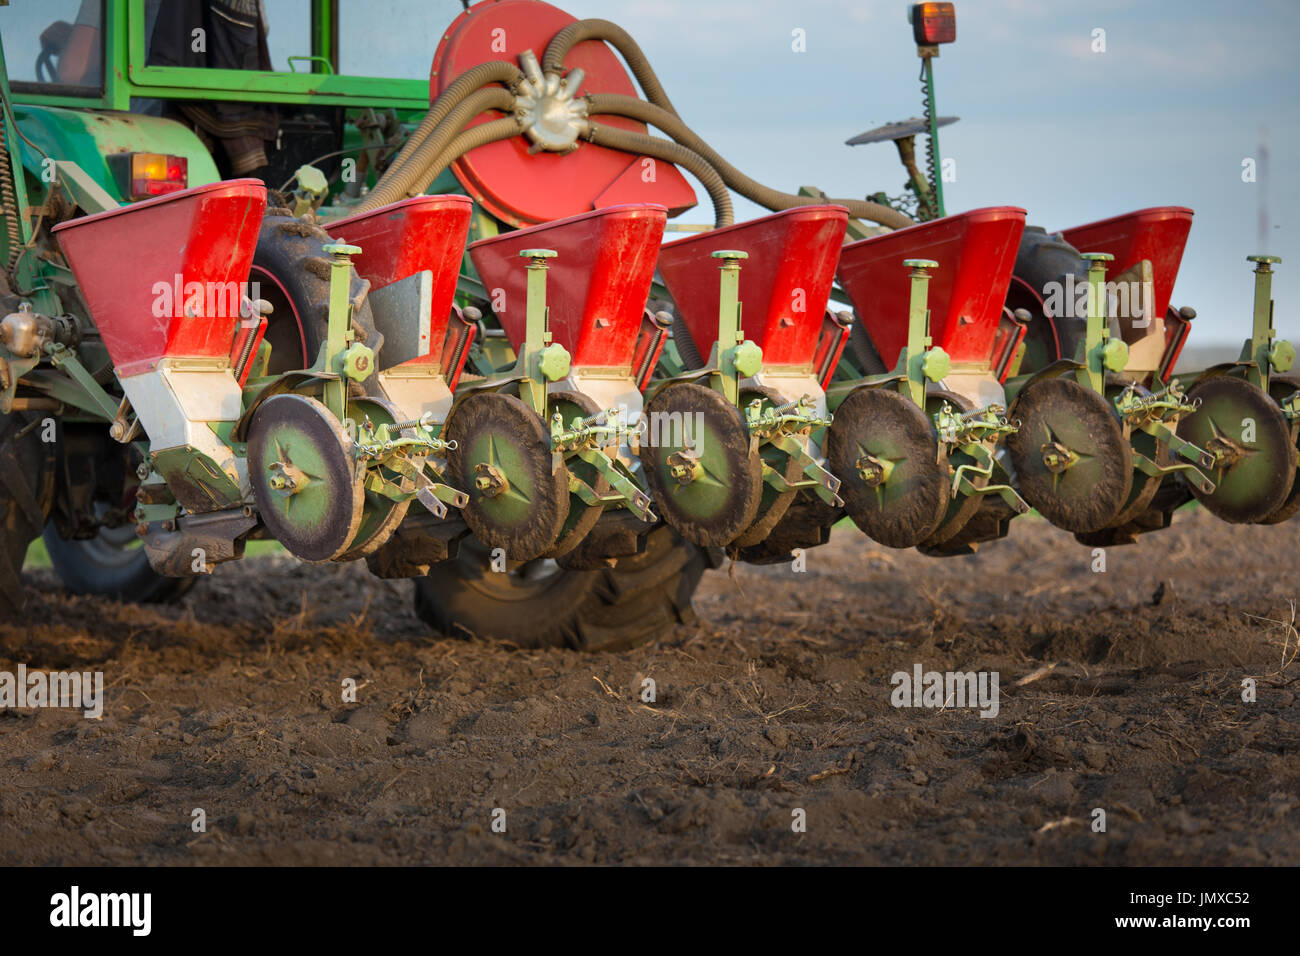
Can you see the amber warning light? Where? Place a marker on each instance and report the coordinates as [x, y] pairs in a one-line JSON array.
[[933, 23]]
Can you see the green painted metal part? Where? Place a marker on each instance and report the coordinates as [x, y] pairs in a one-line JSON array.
[[975, 435], [89, 137], [932, 117], [732, 362], [333, 359], [1260, 350], [587, 439], [540, 360], [1093, 374], [185, 467], [127, 76], [914, 361]]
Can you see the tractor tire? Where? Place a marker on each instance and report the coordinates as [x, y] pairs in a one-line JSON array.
[[544, 605], [1044, 259], [113, 563], [291, 270], [110, 565], [26, 486]]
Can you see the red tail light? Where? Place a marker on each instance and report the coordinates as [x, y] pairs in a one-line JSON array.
[[153, 174]]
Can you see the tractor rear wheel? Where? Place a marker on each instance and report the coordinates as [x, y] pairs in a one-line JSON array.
[[544, 605], [112, 564], [26, 477], [1044, 262], [291, 271]]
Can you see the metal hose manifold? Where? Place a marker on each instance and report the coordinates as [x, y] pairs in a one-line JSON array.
[[544, 105], [621, 40]]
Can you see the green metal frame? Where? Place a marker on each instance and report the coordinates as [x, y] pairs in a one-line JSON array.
[[126, 75]]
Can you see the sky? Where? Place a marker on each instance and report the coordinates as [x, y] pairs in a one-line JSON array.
[[1166, 115]]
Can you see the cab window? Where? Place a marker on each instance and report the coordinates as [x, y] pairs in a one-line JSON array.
[[54, 45]]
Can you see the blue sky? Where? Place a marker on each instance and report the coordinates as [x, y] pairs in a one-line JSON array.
[[1165, 116]]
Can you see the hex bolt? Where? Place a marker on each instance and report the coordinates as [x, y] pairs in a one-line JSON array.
[[1057, 458]]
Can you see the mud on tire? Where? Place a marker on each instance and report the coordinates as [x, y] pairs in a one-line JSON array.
[[544, 605], [26, 489], [291, 270]]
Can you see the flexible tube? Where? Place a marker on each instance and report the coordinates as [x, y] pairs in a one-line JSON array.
[[399, 184], [497, 71], [621, 40], [497, 129], [644, 144], [671, 123]]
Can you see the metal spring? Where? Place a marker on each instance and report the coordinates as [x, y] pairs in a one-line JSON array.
[[462, 341], [931, 170], [8, 199]]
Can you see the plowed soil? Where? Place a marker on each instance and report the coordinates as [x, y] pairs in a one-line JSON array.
[[1120, 691]]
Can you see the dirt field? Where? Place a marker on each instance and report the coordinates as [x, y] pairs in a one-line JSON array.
[[777, 699]]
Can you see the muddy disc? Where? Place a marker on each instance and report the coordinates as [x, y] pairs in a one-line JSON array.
[[1258, 463], [1282, 388], [697, 431], [582, 516], [380, 516], [305, 482], [775, 503], [964, 507], [894, 480], [1072, 460], [517, 499]]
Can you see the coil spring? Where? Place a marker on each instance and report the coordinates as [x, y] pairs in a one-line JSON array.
[[931, 170], [8, 198]]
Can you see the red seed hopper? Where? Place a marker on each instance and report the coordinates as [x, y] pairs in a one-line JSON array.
[[198, 245], [414, 235], [597, 285], [1158, 235], [976, 252], [784, 284]]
